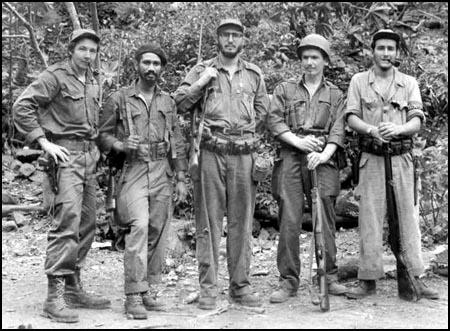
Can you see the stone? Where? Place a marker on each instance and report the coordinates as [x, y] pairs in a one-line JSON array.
[[26, 170], [20, 219], [15, 165], [346, 204], [9, 226]]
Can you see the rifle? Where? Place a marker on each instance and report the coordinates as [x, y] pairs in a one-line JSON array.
[[197, 132], [408, 287], [318, 242]]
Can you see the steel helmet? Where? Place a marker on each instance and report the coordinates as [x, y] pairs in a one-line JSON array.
[[314, 40]]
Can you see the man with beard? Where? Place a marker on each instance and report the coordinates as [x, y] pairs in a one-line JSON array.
[[141, 122], [384, 106], [306, 116], [59, 110], [233, 98]]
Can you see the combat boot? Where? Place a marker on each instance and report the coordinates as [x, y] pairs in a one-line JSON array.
[[77, 297], [150, 302], [281, 295], [334, 288], [55, 307], [134, 307], [249, 300], [207, 303], [365, 288], [426, 292]]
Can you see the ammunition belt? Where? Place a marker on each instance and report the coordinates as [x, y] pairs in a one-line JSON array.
[[156, 151], [394, 147], [230, 131], [314, 132], [229, 147], [76, 144]]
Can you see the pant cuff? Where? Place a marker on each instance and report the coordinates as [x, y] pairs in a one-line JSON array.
[[370, 275], [136, 287]]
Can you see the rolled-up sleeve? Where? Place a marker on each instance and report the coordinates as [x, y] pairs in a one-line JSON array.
[[108, 123], [187, 93], [353, 99], [415, 106], [26, 108], [275, 119], [337, 131]]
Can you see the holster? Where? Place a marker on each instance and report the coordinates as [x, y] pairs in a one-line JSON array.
[[49, 165]]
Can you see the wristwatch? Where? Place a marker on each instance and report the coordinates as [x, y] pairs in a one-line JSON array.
[[369, 130]]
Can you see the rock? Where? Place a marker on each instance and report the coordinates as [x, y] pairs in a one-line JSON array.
[[264, 234], [26, 170], [8, 199], [28, 155], [180, 269], [20, 219], [191, 298], [170, 263], [15, 165], [37, 177], [346, 205], [9, 226]]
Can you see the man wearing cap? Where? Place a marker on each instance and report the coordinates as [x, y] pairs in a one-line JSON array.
[[59, 110], [141, 122], [233, 97], [384, 106], [306, 116]]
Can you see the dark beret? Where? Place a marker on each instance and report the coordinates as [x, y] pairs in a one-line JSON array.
[[151, 48]]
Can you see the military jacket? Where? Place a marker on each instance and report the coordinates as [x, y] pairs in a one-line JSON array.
[[154, 123], [57, 103], [239, 103], [291, 110]]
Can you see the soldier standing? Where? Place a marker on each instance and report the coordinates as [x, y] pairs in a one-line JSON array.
[[303, 115], [141, 121], [384, 106], [234, 101], [59, 110]]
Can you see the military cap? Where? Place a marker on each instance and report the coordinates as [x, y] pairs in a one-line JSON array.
[[80, 33], [231, 21], [151, 48], [385, 34]]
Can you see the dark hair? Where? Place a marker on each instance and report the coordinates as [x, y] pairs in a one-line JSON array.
[[151, 48]]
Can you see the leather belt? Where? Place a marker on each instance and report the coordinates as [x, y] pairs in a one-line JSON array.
[[394, 147], [76, 144]]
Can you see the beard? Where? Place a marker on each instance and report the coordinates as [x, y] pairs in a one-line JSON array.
[[228, 54], [149, 78]]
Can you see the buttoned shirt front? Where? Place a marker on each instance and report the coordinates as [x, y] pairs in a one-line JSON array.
[[239, 103], [57, 103], [401, 102], [291, 109], [153, 123]]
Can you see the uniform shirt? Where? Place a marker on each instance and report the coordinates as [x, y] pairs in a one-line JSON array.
[[155, 122], [402, 101], [239, 103], [291, 109], [58, 103]]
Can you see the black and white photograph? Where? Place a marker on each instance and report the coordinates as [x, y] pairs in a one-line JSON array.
[[224, 165]]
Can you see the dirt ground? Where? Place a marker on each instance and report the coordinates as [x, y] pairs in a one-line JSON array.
[[24, 290]]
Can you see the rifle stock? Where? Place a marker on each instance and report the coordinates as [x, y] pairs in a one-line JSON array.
[[317, 223], [408, 288]]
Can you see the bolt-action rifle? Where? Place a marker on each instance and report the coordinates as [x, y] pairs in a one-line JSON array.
[[408, 288], [318, 243]]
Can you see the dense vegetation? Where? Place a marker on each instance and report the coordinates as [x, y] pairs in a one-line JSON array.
[[273, 30]]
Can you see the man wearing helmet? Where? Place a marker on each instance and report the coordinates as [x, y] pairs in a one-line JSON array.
[[234, 102], [384, 106], [59, 110], [306, 116], [141, 122]]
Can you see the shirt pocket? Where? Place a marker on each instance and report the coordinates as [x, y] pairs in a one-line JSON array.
[[74, 105], [323, 114], [213, 102], [136, 117], [247, 102], [296, 114]]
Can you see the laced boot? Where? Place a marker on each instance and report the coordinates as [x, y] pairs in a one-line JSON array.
[[77, 297], [334, 288], [150, 301], [281, 295], [426, 292], [249, 300], [207, 303], [55, 307], [365, 288], [134, 307]]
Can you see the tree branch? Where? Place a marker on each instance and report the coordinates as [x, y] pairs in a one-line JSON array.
[[73, 15], [15, 36], [30, 29]]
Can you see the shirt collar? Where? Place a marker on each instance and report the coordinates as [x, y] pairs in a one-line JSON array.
[[323, 82], [133, 90], [398, 77], [218, 65], [70, 71]]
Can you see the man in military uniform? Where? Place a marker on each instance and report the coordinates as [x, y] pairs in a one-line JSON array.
[[59, 110], [233, 98], [306, 116], [141, 121], [384, 106]]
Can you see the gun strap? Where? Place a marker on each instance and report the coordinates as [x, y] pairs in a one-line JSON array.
[[129, 119]]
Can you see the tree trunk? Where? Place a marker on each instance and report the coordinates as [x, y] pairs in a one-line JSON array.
[[73, 15]]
